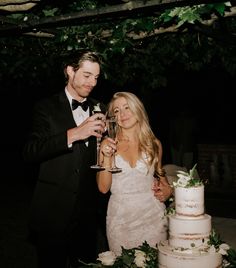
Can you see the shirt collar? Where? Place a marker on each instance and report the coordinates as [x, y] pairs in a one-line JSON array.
[[70, 97]]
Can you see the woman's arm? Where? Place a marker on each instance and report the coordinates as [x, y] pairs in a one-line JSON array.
[[104, 177]]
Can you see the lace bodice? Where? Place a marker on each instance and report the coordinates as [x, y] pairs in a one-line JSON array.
[[132, 179]]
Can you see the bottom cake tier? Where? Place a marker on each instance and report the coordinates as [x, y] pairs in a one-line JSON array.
[[168, 257]]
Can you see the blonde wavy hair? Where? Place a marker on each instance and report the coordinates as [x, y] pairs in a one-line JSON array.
[[146, 137]]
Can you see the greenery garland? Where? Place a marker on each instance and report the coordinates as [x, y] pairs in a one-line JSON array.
[[145, 256]]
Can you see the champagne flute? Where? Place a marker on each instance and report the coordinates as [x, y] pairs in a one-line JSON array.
[[97, 165], [112, 131]]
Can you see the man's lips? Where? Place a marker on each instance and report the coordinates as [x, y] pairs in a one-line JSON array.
[[88, 88]]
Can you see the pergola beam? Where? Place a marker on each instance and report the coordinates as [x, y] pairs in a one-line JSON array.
[[127, 10]]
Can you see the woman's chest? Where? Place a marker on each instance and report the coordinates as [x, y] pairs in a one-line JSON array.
[[130, 153]]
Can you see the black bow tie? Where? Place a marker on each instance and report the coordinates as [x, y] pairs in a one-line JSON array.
[[76, 103]]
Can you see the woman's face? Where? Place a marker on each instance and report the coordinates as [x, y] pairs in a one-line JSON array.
[[125, 118]]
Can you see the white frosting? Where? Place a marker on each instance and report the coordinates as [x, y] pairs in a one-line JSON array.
[[189, 201], [168, 258], [189, 233]]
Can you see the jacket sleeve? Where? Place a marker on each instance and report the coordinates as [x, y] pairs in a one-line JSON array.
[[47, 138]]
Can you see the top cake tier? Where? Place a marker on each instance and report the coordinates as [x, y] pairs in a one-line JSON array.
[[189, 201]]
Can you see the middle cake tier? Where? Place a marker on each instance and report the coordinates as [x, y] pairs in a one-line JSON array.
[[189, 233]]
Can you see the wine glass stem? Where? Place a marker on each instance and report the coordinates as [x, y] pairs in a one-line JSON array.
[[98, 150], [114, 160]]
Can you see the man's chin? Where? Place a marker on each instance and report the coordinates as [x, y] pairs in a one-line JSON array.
[[86, 94]]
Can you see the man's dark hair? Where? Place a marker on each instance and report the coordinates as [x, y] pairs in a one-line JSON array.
[[78, 58]]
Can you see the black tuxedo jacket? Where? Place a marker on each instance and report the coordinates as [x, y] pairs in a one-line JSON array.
[[66, 188]]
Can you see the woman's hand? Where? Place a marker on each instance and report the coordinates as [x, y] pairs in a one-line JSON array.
[[108, 147]]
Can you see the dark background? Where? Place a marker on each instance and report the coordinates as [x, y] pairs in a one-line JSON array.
[[208, 95]]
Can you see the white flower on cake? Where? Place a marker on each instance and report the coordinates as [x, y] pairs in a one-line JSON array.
[[223, 249], [107, 258], [140, 258], [96, 108], [188, 179], [217, 245]]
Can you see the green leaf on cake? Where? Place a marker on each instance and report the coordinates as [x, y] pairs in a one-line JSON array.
[[188, 179]]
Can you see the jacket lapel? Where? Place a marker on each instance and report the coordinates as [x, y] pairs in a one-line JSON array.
[[66, 114]]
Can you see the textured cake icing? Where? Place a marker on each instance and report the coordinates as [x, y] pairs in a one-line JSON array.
[[188, 233], [189, 229], [168, 258], [189, 201]]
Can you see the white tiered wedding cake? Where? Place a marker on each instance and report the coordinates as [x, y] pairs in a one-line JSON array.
[[189, 228]]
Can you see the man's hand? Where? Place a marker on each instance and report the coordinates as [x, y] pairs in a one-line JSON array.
[[162, 190], [92, 126]]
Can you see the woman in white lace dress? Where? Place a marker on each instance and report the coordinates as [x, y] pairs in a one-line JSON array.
[[134, 213]]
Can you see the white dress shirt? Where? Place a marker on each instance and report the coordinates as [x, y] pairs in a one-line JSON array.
[[79, 114]]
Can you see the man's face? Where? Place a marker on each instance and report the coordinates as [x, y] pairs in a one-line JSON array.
[[82, 81]]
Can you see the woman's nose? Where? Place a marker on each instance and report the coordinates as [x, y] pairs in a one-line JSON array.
[[122, 112]]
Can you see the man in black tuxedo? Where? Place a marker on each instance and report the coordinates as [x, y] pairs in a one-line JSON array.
[[63, 139]]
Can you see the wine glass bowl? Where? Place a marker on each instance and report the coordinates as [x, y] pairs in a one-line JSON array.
[[112, 127], [97, 165]]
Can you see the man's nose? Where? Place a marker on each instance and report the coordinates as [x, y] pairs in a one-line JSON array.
[[93, 81]]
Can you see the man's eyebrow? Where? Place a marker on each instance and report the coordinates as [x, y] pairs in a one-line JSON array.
[[86, 72]]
